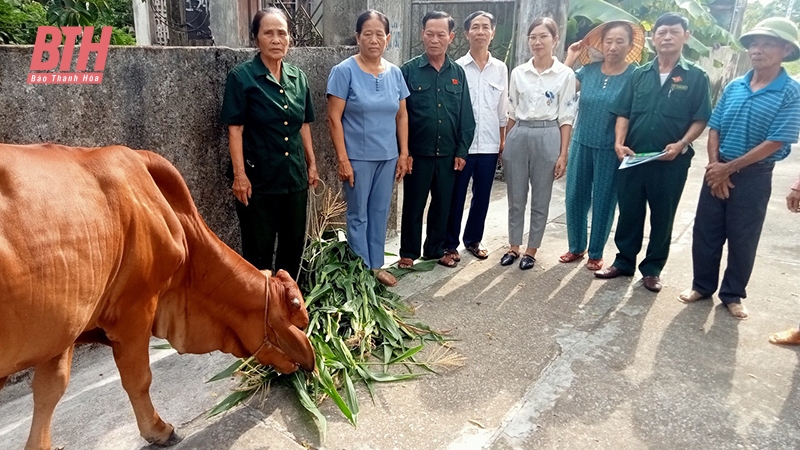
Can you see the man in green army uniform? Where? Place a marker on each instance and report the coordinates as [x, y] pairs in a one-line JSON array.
[[664, 107], [441, 126]]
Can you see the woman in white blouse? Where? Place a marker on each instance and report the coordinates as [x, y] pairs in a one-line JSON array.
[[541, 111]]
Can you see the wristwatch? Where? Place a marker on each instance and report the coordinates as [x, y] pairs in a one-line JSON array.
[[685, 146]]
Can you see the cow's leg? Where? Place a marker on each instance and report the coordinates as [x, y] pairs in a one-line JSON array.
[[49, 383], [2, 382], [133, 361]]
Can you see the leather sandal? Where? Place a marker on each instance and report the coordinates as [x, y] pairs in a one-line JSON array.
[[405, 263], [527, 262], [570, 257], [453, 253], [448, 260], [594, 264], [478, 250], [509, 258]]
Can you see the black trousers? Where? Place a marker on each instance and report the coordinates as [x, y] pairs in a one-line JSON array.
[[271, 218], [432, 175], [737, 220], [657, 185]]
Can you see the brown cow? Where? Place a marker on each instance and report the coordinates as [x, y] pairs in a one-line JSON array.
[[106, 245]]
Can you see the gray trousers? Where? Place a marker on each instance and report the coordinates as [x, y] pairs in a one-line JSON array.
[[529, 160]]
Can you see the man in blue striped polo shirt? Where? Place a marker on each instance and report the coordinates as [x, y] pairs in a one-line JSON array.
[[753, 126]]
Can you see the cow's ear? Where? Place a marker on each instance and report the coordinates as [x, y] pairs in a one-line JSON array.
[[284, 276]]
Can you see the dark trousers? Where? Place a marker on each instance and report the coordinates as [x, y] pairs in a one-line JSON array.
[[658, 185], [269, 218], [434, 175], [480, 168], [737, 220]]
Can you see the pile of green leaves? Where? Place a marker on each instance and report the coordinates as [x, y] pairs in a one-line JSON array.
[[360, 332]]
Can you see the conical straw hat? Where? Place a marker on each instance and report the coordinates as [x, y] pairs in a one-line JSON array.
[[593, 43]]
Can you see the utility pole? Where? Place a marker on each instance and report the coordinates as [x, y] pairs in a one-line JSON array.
[[530, 10]]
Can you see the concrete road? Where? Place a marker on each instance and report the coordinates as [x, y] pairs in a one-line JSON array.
[[554, 359]]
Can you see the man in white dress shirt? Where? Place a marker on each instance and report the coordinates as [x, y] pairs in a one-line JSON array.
[[488, 85]]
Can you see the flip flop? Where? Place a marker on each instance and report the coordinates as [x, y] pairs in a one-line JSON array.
[[738, 311], [691, 296], [788, 337]]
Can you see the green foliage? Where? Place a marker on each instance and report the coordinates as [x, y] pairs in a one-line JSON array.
[[19, 20], [706, 33], [360, 331], [756, 12]]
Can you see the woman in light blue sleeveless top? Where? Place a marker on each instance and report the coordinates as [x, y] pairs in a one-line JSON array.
[[592, 164], [369, 128]]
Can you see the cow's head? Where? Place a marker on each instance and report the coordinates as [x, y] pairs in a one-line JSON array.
[[287, 316]]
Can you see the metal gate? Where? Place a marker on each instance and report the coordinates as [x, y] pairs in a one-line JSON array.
[[504, 12]]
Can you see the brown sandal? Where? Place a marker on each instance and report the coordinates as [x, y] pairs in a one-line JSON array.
[[448, 260], [570, 257], [594, 264], [453, 254], [478, 250], [405, 263]]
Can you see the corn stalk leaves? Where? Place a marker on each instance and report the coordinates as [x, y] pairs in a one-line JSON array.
[[354, 322]]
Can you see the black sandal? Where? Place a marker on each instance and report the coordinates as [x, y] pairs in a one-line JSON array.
[[509, 258], [527, 262]]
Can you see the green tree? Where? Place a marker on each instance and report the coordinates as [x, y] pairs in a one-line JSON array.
[[706, 33], [19, 20], [756, 12]]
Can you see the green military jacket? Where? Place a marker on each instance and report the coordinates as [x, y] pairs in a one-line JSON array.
[[440, 118], [661, 115], [272, 113]]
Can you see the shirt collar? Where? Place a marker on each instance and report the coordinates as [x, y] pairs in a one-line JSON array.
[[775, 85], [423, 61], [555, 68], [468, 59], [682, 63], [259, 69]]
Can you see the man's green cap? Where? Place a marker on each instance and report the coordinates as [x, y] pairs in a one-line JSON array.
[[776, 27]]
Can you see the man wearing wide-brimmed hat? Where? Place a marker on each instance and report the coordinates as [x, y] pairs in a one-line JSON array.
[[753, 126]]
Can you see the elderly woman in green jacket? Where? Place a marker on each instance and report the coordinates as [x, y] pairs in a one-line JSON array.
[[267, 108]]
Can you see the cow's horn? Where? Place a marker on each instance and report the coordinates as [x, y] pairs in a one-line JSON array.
[[296, 302]]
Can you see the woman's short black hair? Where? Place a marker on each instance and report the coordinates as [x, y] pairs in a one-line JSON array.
[[372, 14], [256, 24]]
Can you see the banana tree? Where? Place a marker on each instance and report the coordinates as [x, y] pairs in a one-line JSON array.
[[706, 33]]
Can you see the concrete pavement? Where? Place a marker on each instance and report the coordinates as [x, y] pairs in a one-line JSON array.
[[555, 359]]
